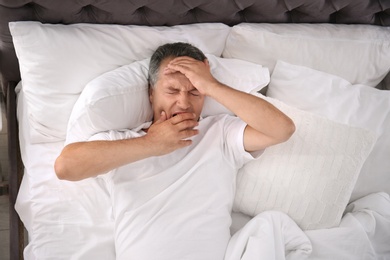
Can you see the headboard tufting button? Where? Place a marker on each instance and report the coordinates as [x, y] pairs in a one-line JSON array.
[[141, 9], [192, 10]]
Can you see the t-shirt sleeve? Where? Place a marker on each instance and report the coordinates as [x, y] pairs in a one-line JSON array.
[[234, 148]]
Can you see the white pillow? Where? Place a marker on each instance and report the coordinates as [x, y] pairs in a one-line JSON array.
[[358, 53], [57, 61], [311, 176], [115, 100], [119, 99], [336, 99]]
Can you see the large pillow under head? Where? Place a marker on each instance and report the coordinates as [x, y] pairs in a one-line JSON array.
[[57, 61], [119, 98]]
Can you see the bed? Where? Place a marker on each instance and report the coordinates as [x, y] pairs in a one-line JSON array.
[[324, 194]]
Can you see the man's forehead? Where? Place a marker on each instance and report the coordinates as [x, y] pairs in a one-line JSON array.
[[172, 75], [175, 81]]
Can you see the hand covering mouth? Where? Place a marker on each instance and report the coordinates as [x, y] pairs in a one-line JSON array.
[[177, 113]]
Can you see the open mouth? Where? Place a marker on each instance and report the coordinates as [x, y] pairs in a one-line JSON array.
[[177, 113]]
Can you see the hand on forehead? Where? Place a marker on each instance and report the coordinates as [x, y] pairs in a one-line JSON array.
[[184, 64]]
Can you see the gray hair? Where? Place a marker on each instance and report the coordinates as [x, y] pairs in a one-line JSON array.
[[174, 50]]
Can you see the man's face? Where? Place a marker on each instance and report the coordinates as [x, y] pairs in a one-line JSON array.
[[173, 93]]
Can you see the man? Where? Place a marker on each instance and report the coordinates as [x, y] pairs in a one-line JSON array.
[[172, 180]]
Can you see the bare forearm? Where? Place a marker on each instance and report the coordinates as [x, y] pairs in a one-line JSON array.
[[82, 160], [256, 112]]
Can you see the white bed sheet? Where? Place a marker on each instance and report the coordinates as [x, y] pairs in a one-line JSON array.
[[64, 220], [67, 220]]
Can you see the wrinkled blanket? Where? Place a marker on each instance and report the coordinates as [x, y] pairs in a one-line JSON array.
[[270, 235], [364, 233]]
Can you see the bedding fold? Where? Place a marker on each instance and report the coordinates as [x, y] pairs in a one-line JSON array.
[[363, 234], [270, 235]]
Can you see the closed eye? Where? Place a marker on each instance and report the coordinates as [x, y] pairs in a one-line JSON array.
[[172, 91], [195, 93]]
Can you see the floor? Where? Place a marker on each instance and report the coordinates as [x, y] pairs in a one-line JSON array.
[[4, 205]]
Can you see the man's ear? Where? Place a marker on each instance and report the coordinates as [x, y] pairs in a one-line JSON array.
[[206, 61], [150, 93]]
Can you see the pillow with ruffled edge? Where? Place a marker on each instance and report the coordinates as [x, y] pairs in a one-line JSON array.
[[119, 99]]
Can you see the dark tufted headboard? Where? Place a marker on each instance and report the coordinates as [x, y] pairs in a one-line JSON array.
[[154, 13], [173, 12]]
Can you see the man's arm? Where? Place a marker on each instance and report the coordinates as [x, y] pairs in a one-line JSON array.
[[81, 160], [267, 125]]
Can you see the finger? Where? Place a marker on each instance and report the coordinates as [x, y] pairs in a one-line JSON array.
[[184, 64], [177, 67], [186, 124], [182, 117], [187, 68], [182, 58], [169, 70], [188, 133], [184, 143], [163, 117], [186, 59], [183, 61]]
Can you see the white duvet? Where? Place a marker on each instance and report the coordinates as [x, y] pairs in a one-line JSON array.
[[270, 235], [364, 233]]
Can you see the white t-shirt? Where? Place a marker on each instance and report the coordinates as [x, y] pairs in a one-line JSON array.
[[178, 206]]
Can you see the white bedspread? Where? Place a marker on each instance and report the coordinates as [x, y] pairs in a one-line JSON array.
[[364, 233], [270, 235]]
